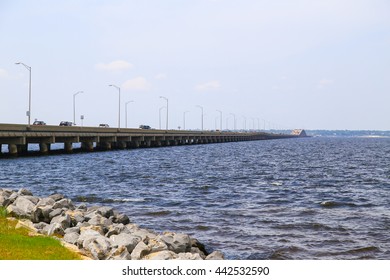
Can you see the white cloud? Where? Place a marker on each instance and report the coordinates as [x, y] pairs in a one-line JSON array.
[[212, 85], [137, 83], [324, 83], [3, 74], [161, 76], [117, 65]]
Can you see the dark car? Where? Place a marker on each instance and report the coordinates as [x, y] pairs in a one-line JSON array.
[[103, 125], [65, 123], [144, 126], [39, 123]]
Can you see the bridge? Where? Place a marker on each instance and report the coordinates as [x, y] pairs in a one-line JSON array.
[[18, 137]]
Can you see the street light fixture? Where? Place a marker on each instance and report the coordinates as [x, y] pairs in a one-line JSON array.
[[74, 106], [126, 110], [29, 92], [119, 107], [201, 115], [166, 99]]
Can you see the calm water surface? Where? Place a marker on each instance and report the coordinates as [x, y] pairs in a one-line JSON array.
[[315, 198]]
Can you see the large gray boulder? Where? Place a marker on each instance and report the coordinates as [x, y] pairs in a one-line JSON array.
[[57, 196], [161, 255], [105, 211], [63, 203], [54, 229], [156, 245], [46, 201], [4, 197], [120, 253], [55, 212], [116, 229], [76, 216], [216, 255], [99, 247], [127, 240], [176, 242], [71, 237], [15, 211], [140, 251], [141, 232], [41, 214], [33, 199], [86, 236], [25, 205], [121, 218], [13, 196], [63, 220], [24, 191], [189, 256], [98, 219]]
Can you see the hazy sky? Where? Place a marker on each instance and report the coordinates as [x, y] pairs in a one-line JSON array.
[[294, 63]]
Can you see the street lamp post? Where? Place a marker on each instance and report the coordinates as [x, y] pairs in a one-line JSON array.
[[166, 99], [126, 110], [184, 119], [201, 115], [74, 106], [29, 92], [119, 107], [159, 116]]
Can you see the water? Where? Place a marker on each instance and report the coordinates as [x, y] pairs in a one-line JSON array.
[[314, 198]]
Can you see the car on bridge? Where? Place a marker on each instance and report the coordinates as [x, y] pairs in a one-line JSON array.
[[142, 126], [65, 123], [39, 122], [103, 125]]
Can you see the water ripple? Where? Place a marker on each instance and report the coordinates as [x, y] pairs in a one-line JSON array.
[[318, 198]]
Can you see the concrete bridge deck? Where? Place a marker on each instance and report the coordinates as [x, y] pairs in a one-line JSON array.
[[17, 137]]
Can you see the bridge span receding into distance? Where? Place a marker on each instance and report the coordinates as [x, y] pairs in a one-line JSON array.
[[18, 137]]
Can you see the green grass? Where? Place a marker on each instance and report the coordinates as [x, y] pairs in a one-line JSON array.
[[18, 244]]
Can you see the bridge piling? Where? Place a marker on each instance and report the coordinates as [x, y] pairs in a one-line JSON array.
[[87, 146], [44, 148], [68, 147]]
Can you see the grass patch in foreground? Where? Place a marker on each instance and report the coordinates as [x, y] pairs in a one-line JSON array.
[[18, 244]]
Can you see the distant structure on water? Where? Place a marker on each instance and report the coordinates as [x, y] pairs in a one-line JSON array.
[[299, 132]]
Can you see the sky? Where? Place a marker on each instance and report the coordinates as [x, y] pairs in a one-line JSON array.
[[280, 64]]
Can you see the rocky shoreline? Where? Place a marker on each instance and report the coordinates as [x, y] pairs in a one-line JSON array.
[[99, 232]]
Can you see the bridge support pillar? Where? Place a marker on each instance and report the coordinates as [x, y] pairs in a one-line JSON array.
[[13, 149], [44, 148], [68, 147], [87, 146], [105, 145], [135, 143], [121, 145], [21, 149]]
